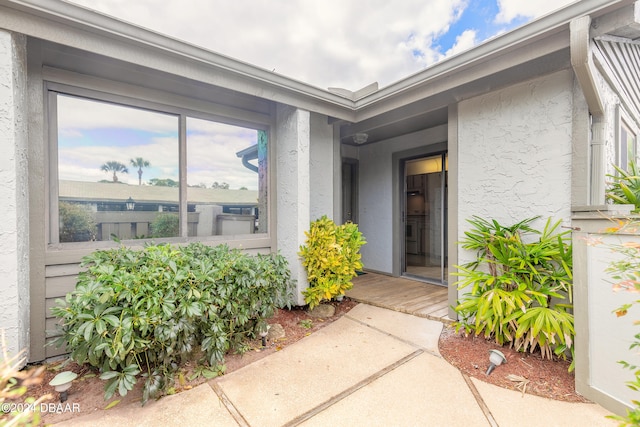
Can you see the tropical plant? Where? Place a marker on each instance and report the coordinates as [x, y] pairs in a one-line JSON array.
[[114, 167], [76, 223], [140, 163], [624, 187], [331, 256], [515, 285], [140, 314], [165, 225]]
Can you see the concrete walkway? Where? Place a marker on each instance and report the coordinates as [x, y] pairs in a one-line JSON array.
[[372, 367]]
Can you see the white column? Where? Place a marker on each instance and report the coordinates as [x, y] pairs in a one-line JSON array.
[[293, 188], [14, 214]]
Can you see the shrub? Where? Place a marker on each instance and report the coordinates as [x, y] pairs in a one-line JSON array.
[[165, 225], [76, 223], [142, 313], [331, 257], [513, 286]]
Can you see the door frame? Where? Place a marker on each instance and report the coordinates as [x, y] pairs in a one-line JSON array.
[[442, 155], [398, 160], [353, 164]]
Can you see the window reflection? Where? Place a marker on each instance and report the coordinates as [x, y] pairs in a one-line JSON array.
[[226, 171], [119, 178]]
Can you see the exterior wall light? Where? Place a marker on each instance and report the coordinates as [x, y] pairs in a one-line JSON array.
[[131, 204], [360, 138]]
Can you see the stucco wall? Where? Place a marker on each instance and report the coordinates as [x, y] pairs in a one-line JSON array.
[[322, 168], [376, 194], [293, 187], [14, 230], [514, 148]]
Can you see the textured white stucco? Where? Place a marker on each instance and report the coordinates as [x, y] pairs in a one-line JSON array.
[[514, 148], [294, 191], [14, 264], [322, 167]]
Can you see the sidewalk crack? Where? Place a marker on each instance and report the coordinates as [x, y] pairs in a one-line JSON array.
[[242, 422], [483, 406], [338, 397]]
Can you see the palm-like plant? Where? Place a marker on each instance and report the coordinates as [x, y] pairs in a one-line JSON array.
[[625, 186], [140, 163], [114, 167]]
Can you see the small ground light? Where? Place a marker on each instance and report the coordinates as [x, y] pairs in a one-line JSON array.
[[62, 382], [263, 330], [496, 358]]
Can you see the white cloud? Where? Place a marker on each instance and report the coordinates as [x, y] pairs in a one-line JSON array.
[[512, 9], [464, 41], [325, 43]]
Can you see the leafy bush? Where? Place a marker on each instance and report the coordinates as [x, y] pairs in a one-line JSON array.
[[331, 257], [144, 312], [165, 225], [513, 283], [76, 223], [624, 187]]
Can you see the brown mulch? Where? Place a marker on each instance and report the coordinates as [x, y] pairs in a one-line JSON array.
[[547, 378], [544, 377]]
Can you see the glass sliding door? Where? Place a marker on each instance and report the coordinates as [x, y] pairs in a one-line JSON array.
[[425, 214]]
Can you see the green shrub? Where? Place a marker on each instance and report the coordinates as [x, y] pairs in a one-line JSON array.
[[513, 285], [142, 313], [331, 256], [76, 223], [165, 225]]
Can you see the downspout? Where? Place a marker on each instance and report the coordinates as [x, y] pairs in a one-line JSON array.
[[585, 71]]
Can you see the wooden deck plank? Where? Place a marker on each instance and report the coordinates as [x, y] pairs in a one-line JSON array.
[[402, 294]]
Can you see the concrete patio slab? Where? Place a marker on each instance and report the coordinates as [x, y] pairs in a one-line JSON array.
[[419, 331], [276, 389], [199, 406], [425, 391], [511, 408]]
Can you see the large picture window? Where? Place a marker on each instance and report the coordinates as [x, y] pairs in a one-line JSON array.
[[140, 172]]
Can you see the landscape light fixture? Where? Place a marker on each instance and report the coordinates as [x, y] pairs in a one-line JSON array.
[[131, 204], [263, 331], [496, 358], [62, 382]]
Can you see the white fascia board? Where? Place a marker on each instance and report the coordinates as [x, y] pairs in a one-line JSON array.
[[78, 27]]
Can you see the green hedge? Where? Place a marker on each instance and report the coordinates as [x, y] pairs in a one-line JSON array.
[[140, 314]]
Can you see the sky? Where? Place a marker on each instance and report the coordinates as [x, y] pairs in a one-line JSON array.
[[331, 43], [326, 43]]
